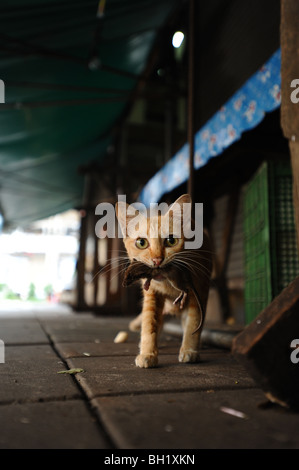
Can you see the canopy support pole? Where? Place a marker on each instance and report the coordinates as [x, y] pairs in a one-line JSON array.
[[289, 37], [191, 113]]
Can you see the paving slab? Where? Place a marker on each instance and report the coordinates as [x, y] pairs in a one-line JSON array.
[[22, 331], [100, 349], [83, 328], [50, 425], [172, 406], [195, 420], [30, 374], [119, 375], [109, 348]]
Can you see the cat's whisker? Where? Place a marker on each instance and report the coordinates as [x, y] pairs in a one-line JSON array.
[[106, 273], [178, 265], [193, 256], [185, 263], [116, 261], [117, 258], [200, 251], [115, 266], [178, 261], [121, 262], [120, 272], [201, 268], [197, 257], [191, 253], [198, 263], [192, 268]]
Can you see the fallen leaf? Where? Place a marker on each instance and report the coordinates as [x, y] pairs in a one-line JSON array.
[[231, 411], [70, 371]]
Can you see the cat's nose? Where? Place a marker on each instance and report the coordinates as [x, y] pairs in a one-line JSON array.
[[157, 261]]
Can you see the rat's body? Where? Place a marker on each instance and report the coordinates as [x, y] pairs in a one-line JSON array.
[[180, 281]]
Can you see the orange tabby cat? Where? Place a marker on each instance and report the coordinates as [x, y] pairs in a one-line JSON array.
[[159, 253]]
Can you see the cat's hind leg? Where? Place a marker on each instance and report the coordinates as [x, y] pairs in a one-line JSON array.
[[135, 325]]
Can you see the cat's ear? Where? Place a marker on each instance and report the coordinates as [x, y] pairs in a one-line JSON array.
[[176, 213], [121, 214], [131, 217], [177, 206], [184, 199]]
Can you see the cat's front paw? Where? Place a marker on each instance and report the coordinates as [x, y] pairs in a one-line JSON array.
[[146, 360], [189, 355]]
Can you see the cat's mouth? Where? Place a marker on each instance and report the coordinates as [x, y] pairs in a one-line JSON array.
[[138, 270], [157, 273]]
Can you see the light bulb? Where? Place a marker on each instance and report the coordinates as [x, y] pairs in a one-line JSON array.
[[177, 39]]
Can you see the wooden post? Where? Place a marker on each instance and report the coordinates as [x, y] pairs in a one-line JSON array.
[[268, 348], [169, 111], [289, 105], [96, 268], [85, 212], [80, 304], [294, 148], [221, 259], [191, 113]]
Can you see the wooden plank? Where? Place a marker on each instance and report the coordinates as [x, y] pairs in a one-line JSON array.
[[294, 148], [222, 257], [228, 230], [289, 67], [289, 86], [80, 301], [191, 91], [264, 348]]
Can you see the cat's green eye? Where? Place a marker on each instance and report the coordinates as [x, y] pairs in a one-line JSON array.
[[142, 243], [171, 241]]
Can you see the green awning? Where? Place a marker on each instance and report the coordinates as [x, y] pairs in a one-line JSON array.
[[68, 76]]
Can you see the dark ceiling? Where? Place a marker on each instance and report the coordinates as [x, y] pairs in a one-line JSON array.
[[108, 92], [69, 75]]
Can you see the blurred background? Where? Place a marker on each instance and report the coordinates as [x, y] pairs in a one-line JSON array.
[[113, 97]]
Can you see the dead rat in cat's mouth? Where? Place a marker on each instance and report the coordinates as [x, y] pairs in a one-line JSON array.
[[180, 281]]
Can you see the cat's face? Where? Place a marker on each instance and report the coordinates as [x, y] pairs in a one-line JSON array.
[[155, 250]]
